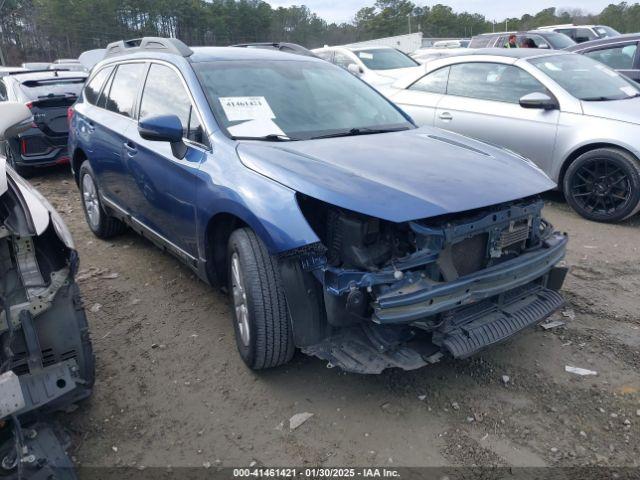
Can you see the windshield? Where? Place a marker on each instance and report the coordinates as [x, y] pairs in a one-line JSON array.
[[586, 79], [559, 40], [384, 59], [603, 31], [294, 99]]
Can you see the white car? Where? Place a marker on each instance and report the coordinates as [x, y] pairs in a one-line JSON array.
[[582, 33], [378, 66], [574, 117]]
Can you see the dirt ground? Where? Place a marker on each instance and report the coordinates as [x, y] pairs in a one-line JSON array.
[[171, 390]]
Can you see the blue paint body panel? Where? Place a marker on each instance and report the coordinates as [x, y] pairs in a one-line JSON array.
[[396, 176]]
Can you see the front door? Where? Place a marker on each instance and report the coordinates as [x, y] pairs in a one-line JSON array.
[[482, 102], [164, 194]]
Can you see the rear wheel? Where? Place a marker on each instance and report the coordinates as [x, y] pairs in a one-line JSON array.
[[100, 222], [261, 317], [603, 185]]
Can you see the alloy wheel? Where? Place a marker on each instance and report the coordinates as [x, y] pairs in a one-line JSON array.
[[90, 201], [240, 300], [600, 186]]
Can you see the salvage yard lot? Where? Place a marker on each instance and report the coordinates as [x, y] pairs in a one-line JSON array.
[[171, 389]]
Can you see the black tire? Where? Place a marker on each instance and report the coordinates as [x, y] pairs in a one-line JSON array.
[[103, 225], [603, 185], [11, 155], [270, 338]]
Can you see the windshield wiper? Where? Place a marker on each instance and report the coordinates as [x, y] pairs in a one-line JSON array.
[[602, 99], [359, 131], [272, 137]]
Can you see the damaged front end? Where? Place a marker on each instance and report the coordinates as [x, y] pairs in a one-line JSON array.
[[376, 294], [46, 356]]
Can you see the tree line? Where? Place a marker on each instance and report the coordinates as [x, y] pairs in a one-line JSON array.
[[48, 29]]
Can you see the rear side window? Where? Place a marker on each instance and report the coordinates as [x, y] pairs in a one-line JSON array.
[[164, 94], [3, 92], [124, 88], [93, 88], [434, 82]]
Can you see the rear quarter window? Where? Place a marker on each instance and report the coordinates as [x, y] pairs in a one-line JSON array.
[[124, 88], [94, 87]]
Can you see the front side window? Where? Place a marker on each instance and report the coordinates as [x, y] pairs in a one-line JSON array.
[[124, 88], [300, 99], [491, 81], [385, 59], [93, 88], [434, 82], [618, 58], [586, 79], [3, 92], [604, 32], [164, 94], [558, 40]]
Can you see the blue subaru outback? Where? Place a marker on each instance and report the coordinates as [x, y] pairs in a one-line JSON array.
[[337, 226]]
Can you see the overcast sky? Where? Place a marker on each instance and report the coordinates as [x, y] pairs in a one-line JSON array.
[[344, 10]]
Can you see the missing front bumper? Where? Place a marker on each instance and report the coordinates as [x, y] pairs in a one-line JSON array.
[[370, 349]]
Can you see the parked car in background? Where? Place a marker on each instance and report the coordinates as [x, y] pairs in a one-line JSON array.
[[581, 33], [574, 117], [619, 53], [375, 65], [462, 43], [70, 67], [48, 94], [425, 55], [36, 65], [541, 39], [281, 46], [338, 226], [4, 71]]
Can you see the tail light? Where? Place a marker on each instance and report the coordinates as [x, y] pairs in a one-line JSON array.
[[23, 145], [29, 105], [70, 113]]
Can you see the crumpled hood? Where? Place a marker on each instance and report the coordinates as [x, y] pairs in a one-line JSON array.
[[398, 176], [623, 110]]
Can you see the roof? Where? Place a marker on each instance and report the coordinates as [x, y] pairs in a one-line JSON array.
[[208, 54], [516, 32], [604, 41], [515, 52]]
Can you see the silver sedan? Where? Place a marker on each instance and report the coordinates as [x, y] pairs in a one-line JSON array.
[[577, 119]]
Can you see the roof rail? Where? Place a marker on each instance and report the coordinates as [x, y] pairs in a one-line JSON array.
[[148, 44], [557, 26]]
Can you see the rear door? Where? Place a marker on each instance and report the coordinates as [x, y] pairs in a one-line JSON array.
[[164, 193], [482, 101], [111, 121], [622, 57]]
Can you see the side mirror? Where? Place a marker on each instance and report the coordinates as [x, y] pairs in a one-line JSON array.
[[538, 100], [164, 128], [15, 118], [355, 69]]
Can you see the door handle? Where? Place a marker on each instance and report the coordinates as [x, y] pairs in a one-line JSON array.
[[91, 127], [131, 149], [446, 117]]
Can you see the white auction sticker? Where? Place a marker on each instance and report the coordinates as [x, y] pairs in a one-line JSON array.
[[246, 108]]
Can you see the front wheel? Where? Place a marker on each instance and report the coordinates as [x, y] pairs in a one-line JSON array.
[[603, 185], [261, 317]]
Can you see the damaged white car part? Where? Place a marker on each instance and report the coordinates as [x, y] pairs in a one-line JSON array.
[[46, 356]]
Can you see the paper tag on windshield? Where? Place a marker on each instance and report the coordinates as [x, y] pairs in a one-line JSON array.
[[246, 108], [256, 128], [365, 55]]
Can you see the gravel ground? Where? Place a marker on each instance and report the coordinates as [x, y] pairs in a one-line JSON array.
[[171, 389]]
